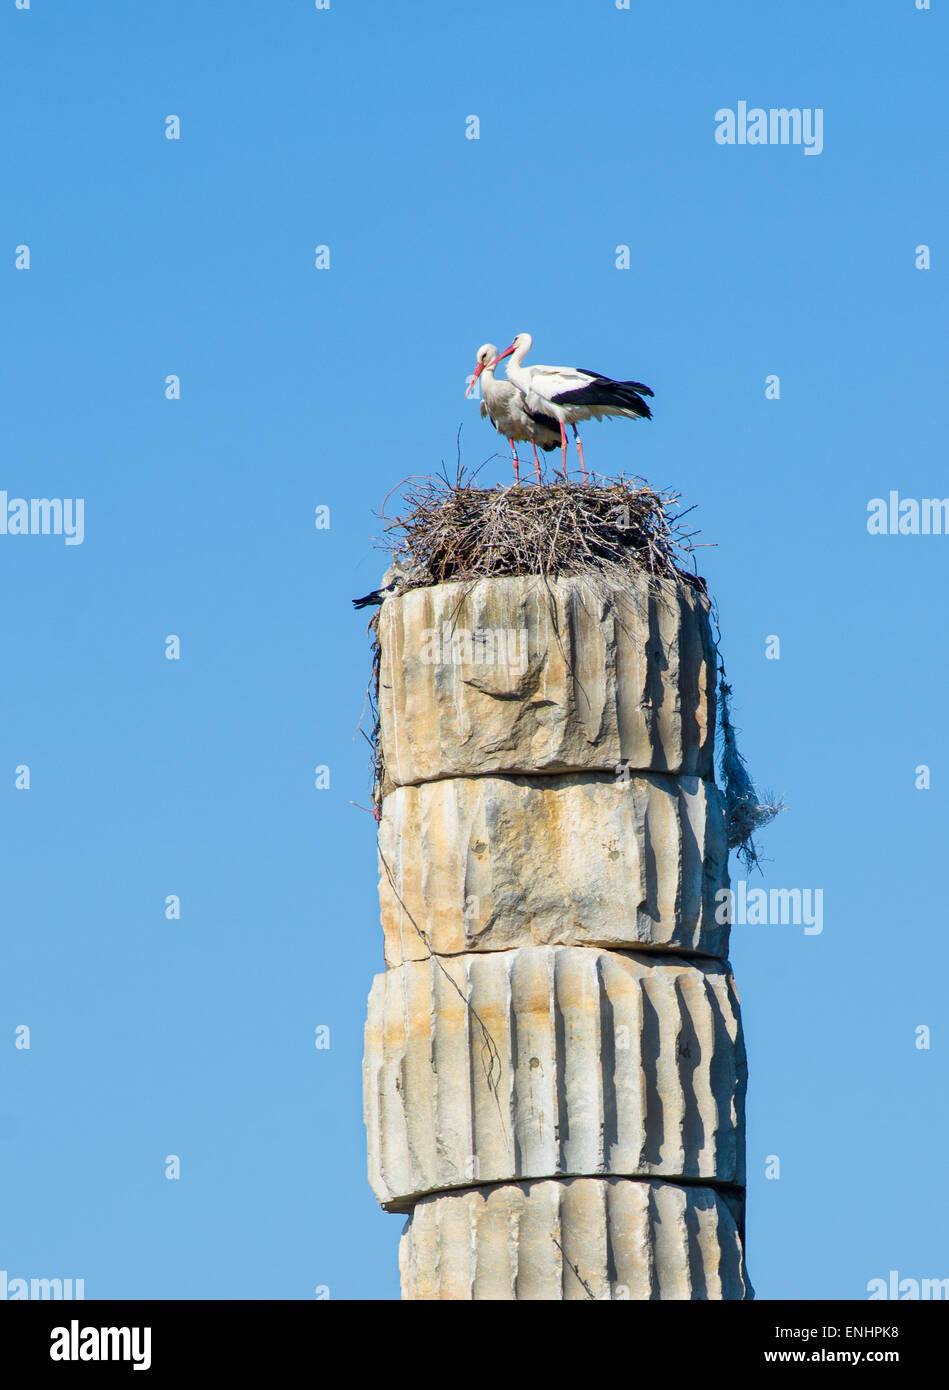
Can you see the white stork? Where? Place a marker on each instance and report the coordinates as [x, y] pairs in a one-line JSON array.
[[504, 405], [569, 394]]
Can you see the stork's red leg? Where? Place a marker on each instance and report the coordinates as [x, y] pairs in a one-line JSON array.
[[580, 452], [563, 446], [517, 475], [536, 461]]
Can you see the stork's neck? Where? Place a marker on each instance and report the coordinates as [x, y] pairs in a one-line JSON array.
[[516, 371]]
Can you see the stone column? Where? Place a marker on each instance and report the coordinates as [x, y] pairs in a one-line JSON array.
[[554, 1071]]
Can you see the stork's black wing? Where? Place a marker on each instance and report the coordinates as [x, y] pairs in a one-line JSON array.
[[547, 422], [633, 385], [603, 391], [368, 600]]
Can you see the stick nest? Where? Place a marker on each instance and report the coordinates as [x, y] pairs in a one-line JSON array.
[[457, 531]]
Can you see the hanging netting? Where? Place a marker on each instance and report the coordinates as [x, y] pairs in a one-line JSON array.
[[746, 812]]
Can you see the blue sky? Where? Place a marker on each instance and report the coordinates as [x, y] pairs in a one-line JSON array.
[[303, 387]]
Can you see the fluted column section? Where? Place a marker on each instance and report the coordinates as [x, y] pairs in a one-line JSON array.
[[554, 1073]]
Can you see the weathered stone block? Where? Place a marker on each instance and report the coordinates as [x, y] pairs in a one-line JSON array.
[[488, 863], [548, 1061], [575, 1239], [576, 674]]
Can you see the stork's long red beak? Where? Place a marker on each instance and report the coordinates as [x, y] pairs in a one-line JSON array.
[[477, 372], [506, 353]]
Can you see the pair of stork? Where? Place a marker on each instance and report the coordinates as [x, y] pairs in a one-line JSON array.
[[537, 403]]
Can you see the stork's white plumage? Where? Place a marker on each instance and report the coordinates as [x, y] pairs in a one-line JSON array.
[[569, 394], [505, 406]]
